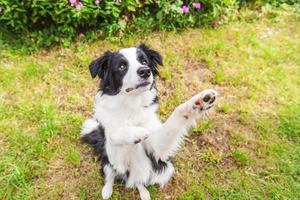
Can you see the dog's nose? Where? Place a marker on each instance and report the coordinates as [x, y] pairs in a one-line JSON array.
[[144, 72]]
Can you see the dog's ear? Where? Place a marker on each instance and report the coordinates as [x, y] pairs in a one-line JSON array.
[[100, 65], [154, 57]]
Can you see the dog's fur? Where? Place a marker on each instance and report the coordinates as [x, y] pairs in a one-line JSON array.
[[131, 142]]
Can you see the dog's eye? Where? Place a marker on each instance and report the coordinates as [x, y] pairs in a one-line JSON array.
[[122, 67], [144, 62]]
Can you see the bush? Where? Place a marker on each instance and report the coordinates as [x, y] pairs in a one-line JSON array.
[[46, 22]]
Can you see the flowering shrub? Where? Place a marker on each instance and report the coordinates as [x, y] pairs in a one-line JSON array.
[[47, 21]]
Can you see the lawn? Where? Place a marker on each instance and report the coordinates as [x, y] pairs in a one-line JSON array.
[[248, 148]]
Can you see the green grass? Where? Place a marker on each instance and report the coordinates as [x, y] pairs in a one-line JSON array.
[[202, 127], [241, 157], [249, 148]]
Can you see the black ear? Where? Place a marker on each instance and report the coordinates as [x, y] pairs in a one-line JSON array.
[[99, 66], [154, 57]]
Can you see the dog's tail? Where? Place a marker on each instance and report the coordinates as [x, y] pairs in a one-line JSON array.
[[92, 133]]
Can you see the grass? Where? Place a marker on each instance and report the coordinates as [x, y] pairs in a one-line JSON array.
[[248, 149], [241, 157]]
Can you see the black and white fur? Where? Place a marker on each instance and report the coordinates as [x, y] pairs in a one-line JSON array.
[[130, 140]]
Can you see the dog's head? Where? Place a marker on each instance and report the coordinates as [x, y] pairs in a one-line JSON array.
[[128, 71]]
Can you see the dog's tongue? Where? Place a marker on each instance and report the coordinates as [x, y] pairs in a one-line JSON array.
[[140, 85], [129, 89]]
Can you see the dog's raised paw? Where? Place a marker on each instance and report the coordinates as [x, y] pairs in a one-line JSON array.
[[205, 100]]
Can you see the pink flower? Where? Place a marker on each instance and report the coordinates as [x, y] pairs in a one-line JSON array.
[[119, 1], [97, 2], [185, 9], [72, 2], [79, 5], [197, 5]]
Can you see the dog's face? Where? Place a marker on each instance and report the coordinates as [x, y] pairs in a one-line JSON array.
[[128, 71]]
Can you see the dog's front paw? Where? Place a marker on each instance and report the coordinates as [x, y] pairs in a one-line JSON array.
[[140, 134], [106, 192], [145, 195], [204, 100]]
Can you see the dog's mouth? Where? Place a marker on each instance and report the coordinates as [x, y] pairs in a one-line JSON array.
[[143, 84]]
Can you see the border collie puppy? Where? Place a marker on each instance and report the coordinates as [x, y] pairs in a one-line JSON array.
[[132, 143]]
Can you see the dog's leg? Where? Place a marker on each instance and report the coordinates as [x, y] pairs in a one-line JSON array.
[[127, 135], [164, 141], [110, 175], [144, 193]]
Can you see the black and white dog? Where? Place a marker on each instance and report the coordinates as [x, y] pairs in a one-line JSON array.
[[132, 143]]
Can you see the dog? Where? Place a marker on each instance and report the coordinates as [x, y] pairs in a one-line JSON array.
[[133, 145]]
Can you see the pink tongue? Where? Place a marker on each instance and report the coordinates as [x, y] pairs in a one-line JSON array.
[[129, 89]]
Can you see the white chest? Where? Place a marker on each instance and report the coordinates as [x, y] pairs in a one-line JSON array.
[[125, 110]]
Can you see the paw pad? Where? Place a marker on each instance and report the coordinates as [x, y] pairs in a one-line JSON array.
[[199, 102], [206, 100], [209, 98]]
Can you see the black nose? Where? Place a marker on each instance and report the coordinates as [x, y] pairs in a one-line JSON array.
[[144, 72]]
